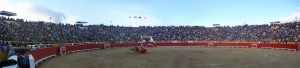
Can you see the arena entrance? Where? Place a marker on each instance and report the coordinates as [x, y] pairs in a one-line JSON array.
[[147, 41], [298, 47]]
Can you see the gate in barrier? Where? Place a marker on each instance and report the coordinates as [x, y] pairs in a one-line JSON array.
[[253, 45], [145, 44], [106, 46], [298, 47], [211, 45], [63, 50]]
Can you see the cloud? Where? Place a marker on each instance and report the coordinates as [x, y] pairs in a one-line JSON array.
[[117, 13], [54, 16], [71, 19], [4, 4], [32, 12], [291, 17], [294, 17]]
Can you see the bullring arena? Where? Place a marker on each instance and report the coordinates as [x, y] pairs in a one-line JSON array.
[[171, 55]]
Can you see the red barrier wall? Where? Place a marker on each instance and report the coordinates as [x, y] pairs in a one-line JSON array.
[[112, 45], [232, 44], [289, 46], [82, 47], [180, 44], [41, 53]]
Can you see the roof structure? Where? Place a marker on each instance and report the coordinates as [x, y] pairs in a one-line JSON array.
[[7, 13]]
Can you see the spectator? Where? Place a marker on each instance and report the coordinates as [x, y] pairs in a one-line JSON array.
[[23, 58]]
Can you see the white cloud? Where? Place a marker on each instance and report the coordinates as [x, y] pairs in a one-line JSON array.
[[294, 17], [32, 12], [71, 19], [291, 18], [4, 4], [117, 12]]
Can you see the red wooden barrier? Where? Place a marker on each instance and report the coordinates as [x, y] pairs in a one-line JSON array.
[[148, 44], [289, 46], [233, 44], [83, 47], [112, 45], [180, 44], [39, 54], [298, 47]]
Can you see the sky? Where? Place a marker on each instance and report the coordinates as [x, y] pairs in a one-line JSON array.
[[156, 12]]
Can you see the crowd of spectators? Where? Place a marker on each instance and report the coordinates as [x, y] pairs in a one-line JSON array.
[[38, 31]]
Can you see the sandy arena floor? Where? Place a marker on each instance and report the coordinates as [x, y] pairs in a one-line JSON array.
[[179, 57]]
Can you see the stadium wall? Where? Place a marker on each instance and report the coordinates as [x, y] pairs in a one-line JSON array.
[[45, 53]]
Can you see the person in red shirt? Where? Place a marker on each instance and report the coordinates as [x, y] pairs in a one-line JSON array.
[[138, 49], [143, 50]]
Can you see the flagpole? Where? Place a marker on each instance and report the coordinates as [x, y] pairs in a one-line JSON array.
[[136, 21], [145, 20], [296, 19], [130, 21], [111, 23], [141, 24], [50, 19]]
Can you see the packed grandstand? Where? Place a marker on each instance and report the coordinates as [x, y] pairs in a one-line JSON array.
[[39, 31]]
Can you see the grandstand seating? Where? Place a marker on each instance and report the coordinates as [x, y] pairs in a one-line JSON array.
[[39, 31]]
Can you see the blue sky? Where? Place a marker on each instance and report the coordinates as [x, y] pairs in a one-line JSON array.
[[163, 12]]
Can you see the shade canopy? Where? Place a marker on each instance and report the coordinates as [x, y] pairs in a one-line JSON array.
[[7, 13]]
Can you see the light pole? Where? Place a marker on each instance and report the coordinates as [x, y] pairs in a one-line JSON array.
[[296, 19]]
